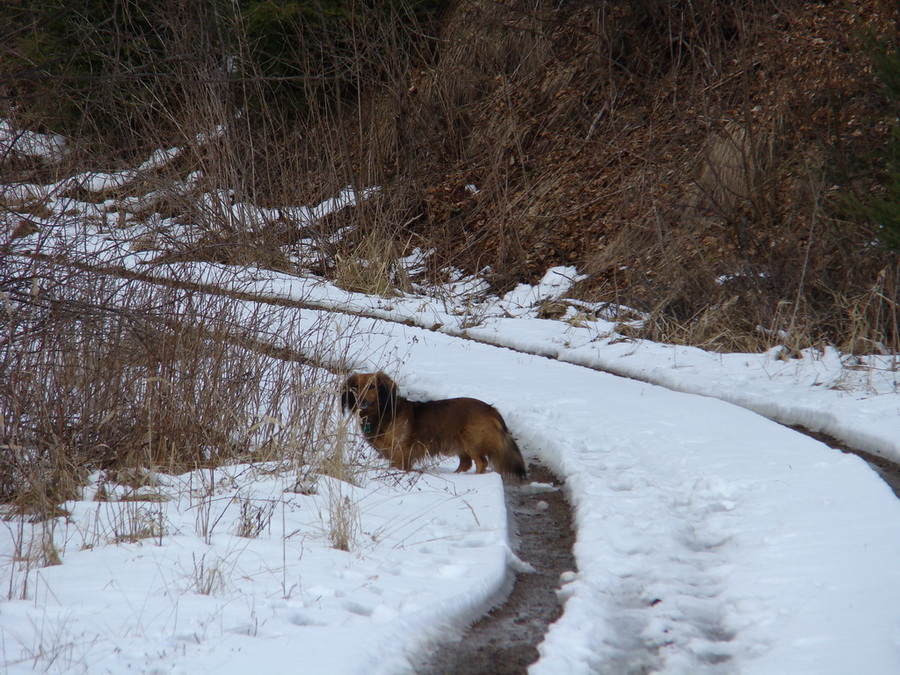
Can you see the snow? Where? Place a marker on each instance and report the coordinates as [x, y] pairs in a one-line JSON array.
[[201, 599], [710, 538], [13, 141]]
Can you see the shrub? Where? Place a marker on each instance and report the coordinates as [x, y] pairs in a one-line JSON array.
[[98, 372]]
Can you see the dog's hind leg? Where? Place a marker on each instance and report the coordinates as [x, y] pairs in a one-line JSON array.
[[481, 463], [465, 463]]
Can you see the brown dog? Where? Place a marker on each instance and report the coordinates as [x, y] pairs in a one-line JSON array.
[[405, 431]]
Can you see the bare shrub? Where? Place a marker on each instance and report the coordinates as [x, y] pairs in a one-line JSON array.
[[101, 372], [254, 519], [343, 520]]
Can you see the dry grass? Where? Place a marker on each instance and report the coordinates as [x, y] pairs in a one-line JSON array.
[[255, 518], [659, 150], [871, 316], [343, 520], [372, 267], [100, 372], [734, 166]]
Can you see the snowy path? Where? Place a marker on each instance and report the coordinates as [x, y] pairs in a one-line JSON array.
[[709, 539]]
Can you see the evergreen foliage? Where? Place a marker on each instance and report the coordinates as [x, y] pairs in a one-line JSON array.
[[883, 208]]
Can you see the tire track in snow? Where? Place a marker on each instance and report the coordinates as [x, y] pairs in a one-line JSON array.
[[662, 559], [504, 642]]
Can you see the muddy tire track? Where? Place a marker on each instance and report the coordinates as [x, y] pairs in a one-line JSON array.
[[888, 470], [504, 641]]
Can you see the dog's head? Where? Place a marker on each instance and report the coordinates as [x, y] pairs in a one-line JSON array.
[[370, 392]]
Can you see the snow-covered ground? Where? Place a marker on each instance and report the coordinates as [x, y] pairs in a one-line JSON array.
[[710, 539]]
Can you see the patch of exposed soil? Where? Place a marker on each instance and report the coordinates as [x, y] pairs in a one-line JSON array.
[[504, 642]]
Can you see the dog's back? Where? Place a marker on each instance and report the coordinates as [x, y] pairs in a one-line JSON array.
[[469, 428]]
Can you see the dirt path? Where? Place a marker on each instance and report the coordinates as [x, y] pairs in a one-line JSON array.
[[504, 642]]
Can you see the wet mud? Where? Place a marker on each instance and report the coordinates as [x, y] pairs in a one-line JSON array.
[[504, 642]]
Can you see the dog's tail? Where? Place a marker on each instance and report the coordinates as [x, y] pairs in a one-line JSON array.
[[509, 460]]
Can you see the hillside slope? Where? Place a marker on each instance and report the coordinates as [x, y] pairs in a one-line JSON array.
[[695, 159], [692, 157]]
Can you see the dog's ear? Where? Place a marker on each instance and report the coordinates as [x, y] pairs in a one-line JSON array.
[[348, 394], [387, 395], [384, 383]]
